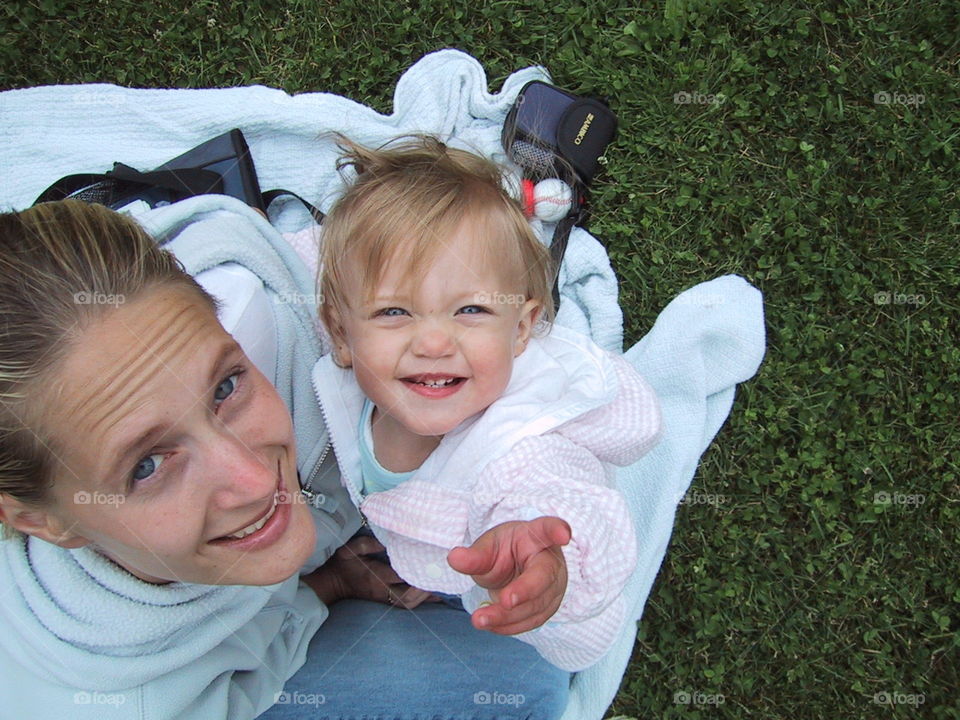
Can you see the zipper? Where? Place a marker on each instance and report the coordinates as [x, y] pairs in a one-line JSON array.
[[355, 496], [315, 499]]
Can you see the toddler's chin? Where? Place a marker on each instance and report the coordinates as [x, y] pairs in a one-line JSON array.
[[436, 428]]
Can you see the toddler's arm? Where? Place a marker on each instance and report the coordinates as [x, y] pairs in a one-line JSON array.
[[561, 475]]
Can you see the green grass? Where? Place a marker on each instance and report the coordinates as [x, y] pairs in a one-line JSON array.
[[798, 593]]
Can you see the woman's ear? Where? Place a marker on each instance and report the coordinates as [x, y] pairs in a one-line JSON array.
[[38, 522], [529, 314]]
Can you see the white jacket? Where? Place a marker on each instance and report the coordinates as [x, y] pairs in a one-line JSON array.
[[546, 447]]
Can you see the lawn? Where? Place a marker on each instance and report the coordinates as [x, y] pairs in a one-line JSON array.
[[812, 148]]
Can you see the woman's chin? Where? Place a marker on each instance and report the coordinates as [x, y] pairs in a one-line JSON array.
[[298, 546], [285, 558]]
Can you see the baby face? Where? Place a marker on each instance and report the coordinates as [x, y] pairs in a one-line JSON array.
[[432, 353]]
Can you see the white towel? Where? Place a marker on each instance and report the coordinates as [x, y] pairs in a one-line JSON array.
[[49, 132]]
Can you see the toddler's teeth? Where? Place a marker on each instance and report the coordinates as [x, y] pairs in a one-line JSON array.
[[437, 383]]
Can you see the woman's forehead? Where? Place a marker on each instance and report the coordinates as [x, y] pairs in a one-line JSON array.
[[151, 352]]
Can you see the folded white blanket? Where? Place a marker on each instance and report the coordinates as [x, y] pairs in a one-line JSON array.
[[705, 342], [49, 132]]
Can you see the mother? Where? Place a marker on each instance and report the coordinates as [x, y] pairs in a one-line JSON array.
[[156, 534]]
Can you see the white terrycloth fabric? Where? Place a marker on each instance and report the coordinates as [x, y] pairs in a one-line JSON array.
[[49, 132], [707, 340], [704, 343]]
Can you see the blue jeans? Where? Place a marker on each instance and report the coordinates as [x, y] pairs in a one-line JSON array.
[[369, 661]]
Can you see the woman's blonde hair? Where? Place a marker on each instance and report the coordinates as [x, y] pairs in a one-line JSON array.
[[62, 264], [408, 199]]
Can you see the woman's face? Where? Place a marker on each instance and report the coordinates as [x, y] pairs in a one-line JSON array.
[[172, 449]]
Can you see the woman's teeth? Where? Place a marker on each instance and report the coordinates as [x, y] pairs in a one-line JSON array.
[[250, 529]]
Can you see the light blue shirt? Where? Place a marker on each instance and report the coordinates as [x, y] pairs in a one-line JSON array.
[[376, 478]]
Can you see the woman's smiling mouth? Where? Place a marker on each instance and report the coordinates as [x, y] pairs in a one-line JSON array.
[[268, 528], [253, 527]]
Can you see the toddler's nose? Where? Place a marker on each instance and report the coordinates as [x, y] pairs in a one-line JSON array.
[[433, 340]]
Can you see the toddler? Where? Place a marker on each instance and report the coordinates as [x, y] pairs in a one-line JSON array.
[[463, 423]]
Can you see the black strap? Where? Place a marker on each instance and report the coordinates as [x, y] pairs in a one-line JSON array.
[[270, 195], [185, 181], [182, 183], [67, 186], [558, 246]]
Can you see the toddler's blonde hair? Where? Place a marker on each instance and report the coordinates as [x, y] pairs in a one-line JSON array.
[[407, 201]]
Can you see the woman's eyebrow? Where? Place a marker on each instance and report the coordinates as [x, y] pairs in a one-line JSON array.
[[145, 439], [149, 436]]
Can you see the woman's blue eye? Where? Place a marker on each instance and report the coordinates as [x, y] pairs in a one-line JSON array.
[[225, 388], [147, 467]]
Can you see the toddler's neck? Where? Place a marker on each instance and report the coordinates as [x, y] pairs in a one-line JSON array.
[[396, 448]]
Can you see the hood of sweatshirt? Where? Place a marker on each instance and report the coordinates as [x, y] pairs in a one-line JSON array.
[[78, 618]]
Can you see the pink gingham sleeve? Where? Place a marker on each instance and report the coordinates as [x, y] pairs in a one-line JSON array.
[[562, 474], [550, 475], [624, 430]]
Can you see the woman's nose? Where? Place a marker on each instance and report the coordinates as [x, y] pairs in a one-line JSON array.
[[433, 340], [238, 473]]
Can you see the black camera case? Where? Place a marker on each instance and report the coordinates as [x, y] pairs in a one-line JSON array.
[[549, 132]]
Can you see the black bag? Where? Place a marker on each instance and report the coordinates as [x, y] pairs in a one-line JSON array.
[[548, 130], [551, 133], [222, 166]]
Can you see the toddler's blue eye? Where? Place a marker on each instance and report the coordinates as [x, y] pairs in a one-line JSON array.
[[393, 312], [147, 467], [225, 388], [471, 310]]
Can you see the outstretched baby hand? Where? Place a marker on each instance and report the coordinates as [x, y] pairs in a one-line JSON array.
[[521, 564]]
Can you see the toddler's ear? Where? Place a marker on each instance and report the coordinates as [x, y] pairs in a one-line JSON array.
[[341, 351], [341, 354], [529, 315]]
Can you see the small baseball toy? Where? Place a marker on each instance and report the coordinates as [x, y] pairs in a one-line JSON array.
[[552, 200], [548, 200]]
